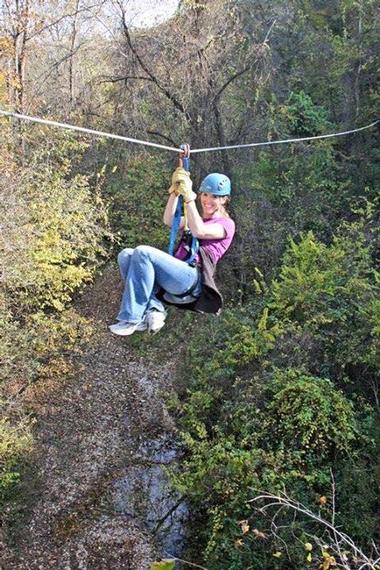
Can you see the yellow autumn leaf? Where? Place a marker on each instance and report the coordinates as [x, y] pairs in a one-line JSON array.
[[277, 554], [163, 565], [328, 561], [244, 526], [308, 546], [259, 534]]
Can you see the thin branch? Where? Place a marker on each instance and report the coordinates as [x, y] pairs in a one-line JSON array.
[[164, 137], [333, 494], [273, 525], [185, 561], [168, 514], [63, 17], [177, 104], [368, 564], [269, 32], [124, 78], [231, 79], [300, 508], [245, 69], [46, 74]]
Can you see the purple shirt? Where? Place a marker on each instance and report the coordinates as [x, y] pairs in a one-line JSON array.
[[215, 247]]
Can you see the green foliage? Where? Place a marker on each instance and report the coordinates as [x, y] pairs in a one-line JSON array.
[[68, 220], [288, 189], [137, 191], [15, 442], [308, 415], [54, 234], [163, 565], [261, 413], [331, 292], [303, 117]]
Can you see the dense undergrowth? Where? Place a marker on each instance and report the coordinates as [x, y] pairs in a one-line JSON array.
[[281, 398], [54, 229]]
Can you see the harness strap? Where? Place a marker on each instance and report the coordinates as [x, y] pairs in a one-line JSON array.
[[192, 242], [175, 225]]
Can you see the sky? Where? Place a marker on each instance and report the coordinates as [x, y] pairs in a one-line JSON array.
[[146, 13]]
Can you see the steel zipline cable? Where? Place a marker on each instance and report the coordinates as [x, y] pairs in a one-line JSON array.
[[84, 130], [174, 149]]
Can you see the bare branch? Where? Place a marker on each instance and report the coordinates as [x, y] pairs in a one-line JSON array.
[[333, 494], [277, 500], [177, 104], [269, 32], [168, 514], [247, 68], [64, 16], [164, 137], [124, 78], [232, 78], [185, 561], [46, 74]]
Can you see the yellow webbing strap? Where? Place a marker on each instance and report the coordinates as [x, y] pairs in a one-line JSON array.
[[185, 227]]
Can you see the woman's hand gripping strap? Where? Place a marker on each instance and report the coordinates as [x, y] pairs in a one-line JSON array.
[[183, 163], [188, 194]]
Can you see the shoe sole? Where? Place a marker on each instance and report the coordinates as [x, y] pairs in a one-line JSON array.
[[155, 331], [141, 327]]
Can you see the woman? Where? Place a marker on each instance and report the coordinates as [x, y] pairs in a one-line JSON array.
[[152, 276]]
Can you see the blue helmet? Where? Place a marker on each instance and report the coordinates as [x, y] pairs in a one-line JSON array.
[[217, 184]]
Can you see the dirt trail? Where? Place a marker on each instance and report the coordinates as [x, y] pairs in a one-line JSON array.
[[95, 492]]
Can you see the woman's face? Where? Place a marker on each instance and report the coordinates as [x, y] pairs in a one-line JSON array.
[[211, 204]]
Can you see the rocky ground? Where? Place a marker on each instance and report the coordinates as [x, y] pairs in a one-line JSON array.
[[95, 495]]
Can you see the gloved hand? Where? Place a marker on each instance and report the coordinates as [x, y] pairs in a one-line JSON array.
[[183, 184], [173, 190]]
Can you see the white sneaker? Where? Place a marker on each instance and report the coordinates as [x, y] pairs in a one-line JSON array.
[[123, 328], [155, 321]]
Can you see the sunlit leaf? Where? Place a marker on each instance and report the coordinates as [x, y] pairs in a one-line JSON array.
[[163, 565], [244, 526], [308, 546]]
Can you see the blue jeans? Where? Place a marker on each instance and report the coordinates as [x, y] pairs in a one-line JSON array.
[[144, 271]]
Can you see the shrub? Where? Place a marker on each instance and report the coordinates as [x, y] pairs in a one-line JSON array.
[[307, 415], [15, 442], [136, 188]]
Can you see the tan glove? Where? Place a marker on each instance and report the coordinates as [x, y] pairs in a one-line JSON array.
[[173, 190], [183, 184]]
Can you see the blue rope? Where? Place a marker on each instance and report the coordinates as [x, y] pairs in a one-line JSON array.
[[177, 220], [175, 225]]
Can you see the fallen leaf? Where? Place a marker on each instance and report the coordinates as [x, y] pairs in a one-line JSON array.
[[259, 534], [308, 546], [244, 526]]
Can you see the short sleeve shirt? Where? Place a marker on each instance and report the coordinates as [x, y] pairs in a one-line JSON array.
[[216, 248]]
